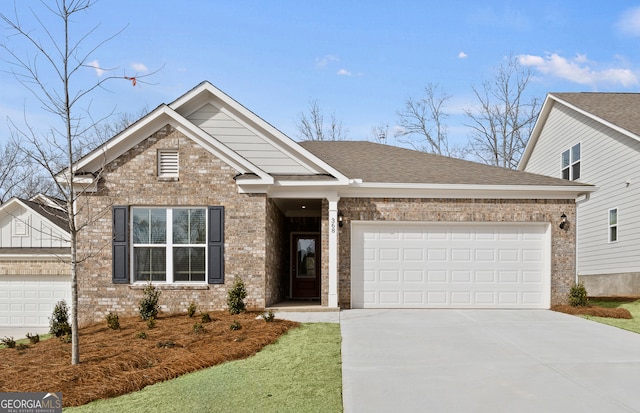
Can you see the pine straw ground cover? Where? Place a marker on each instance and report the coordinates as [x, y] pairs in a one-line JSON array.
[[604, 307], [115, 362]]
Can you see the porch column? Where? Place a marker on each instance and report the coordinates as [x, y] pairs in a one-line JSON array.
[[333, 252]]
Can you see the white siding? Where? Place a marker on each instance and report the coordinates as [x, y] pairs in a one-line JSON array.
[[39, 232], [245, 142], [609, 160]]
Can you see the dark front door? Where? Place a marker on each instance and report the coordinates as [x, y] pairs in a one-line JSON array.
[[305, 266]]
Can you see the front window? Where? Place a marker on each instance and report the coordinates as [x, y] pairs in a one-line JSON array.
[[169, 244], [571, 163], [613, 225]]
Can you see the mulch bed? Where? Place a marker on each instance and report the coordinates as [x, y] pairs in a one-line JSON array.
[[115, 362], [593, 311]]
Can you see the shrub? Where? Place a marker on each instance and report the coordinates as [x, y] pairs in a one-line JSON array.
[[166, 344], [151, 322], [205, 318], [141, 334], [269, 316], [235, 325], [21, 347], [59, 321], [191, 310], [198, 328], [578, 295], [149, 304], [9, 342], [33, 339], [113, 321], [236, 296]]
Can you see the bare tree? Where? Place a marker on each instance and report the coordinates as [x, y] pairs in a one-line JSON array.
[[422, 122], [311, 126], [34, 54], [380, 133], [504, 117]]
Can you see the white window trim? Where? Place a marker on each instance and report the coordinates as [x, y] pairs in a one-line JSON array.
[[572, 162], [616, 225], [169, 247]]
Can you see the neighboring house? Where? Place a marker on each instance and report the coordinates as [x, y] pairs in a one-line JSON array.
[[595, 138], [34, 245], [202, 191]]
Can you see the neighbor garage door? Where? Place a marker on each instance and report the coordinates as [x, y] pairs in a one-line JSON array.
[[28, 300], [450, 265]]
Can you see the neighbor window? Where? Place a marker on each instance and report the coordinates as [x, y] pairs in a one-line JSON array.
[[613, 225], [169, 244], [571, 163]]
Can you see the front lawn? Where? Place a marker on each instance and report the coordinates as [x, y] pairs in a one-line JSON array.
[[632, 324], [301, 372]]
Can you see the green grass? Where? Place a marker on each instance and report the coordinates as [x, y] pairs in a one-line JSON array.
[[26, 340], [632, 324], [301, 372]]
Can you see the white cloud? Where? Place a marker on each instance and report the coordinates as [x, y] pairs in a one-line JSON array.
[[326, 59], [462, 55], [343, 72], [578, 70], [96, 65], [629, 22], [139, 67]]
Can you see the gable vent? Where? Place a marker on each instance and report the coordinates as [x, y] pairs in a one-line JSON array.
[[168, 163]]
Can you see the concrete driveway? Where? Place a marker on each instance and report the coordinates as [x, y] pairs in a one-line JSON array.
[[486, 361]]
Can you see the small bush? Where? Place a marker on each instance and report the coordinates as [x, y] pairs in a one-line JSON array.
[[191, 310], [149, 304], [235, 299], [142, 335], [8, 342], [166, 344], [235, 325], [113, 321], [578, 296], [151, 322], [33, 339], [21, 347], [269, 316], [198, 328], [59, 321], [205, 318]]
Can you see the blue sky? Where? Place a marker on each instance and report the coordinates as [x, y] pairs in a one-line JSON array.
[[359, 59]]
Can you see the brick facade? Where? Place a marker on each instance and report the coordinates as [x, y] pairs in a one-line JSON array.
[[204, 180], [459, 210]]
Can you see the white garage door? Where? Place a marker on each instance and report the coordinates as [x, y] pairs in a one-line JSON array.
[[450, 265], [28, 300]]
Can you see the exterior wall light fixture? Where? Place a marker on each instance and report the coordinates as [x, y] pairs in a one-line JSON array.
[[340, 219], [563, 223]]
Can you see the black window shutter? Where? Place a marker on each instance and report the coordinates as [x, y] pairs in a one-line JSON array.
[[120, 247], [216, 245]]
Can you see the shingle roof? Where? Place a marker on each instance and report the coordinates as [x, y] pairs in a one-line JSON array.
[[55, 215], [373, 162], [620, 109]]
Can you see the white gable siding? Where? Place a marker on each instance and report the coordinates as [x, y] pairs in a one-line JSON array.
[[608, 160], [245, 142], [39, 232]]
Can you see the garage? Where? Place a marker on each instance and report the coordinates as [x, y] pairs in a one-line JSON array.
[[28, 300], [450, 265]]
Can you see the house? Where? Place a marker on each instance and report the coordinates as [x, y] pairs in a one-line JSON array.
[[595, 138], [202, 191], [34, 254]]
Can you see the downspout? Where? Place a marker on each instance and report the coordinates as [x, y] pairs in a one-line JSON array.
[[587, 196]]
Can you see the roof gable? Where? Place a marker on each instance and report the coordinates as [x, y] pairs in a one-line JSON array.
[[618, 111]]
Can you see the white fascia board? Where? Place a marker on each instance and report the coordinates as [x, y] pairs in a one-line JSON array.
[[192, 101], [598, 119], [465, 191], [303, 194], [537, 130], [144, 128]]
